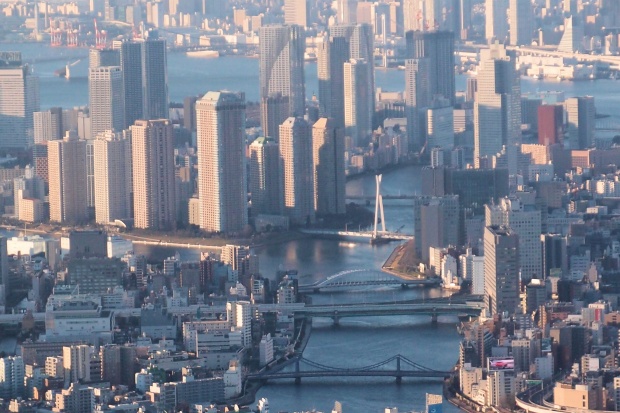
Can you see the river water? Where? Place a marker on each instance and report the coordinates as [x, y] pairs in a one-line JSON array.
[[194, 76], [357, 341]]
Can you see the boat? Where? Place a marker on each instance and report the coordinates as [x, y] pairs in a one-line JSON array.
[[62, 72], [203, 53]]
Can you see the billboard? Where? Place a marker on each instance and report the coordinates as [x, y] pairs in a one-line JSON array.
[[434, 403], [501, 363]]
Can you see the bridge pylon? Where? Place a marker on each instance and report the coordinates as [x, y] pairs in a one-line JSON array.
[[336, 319], [298, 376], [378, 207], [399, 377]]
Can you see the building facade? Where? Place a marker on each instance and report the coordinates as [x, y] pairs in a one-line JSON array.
[[222, 187], [329, 172], [501, 270], [296, 166], [153, 174], [281, 67], [67, 180]]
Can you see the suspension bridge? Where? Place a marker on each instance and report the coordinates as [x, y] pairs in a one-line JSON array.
[[357, 278], [397, 366]]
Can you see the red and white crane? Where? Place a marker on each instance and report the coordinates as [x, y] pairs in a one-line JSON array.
[[100, 37], [55, 35]]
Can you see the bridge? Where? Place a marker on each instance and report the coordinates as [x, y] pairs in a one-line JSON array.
[[357, 235], [372, 197], [364, 278], [397, 366], [613, 61], [376, 235], [432, 308]]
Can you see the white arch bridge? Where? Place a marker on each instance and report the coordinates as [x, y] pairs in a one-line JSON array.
[[365, 278]]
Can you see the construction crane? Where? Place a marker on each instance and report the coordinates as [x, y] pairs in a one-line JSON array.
[[55, 35], [72, 36], [100, 37]]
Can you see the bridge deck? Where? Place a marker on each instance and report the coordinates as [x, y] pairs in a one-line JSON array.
[[390, 310], [349, 373]]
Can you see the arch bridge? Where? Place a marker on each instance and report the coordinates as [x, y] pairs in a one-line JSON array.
[[363, 278]]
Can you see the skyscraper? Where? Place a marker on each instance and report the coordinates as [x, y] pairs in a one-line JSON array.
[[281, 67], [360, 38], [274, 110], [496, 12], [435, 219], [154, 78], [113, 183], [329, 172], [412, 15], [189, 113], [19, 99], [90, 178], [581, 118], [296, 12], [103, 57], [25, 188], [347, 11], [222, 188], [297, 177], [358, 106], [572, 39], [439, 123], [131, 65], [521, 22], [554, 253], [501, 270], [497, 108], [417, 97], [39, 159], [333, 53], [550, 124], [524, 221], [438, 47], [67, 179], [48, 125], [265, 177], [152, 152], [430, 15], [4, 273], [464, 18], [106, 102]]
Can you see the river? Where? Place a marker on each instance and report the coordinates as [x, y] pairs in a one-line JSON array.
[[357, 341], [189, 76]]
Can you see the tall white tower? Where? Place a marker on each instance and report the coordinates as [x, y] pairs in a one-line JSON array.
[[497, 108], [106, 100], [281, 67], [296, 161], [222, 188]]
